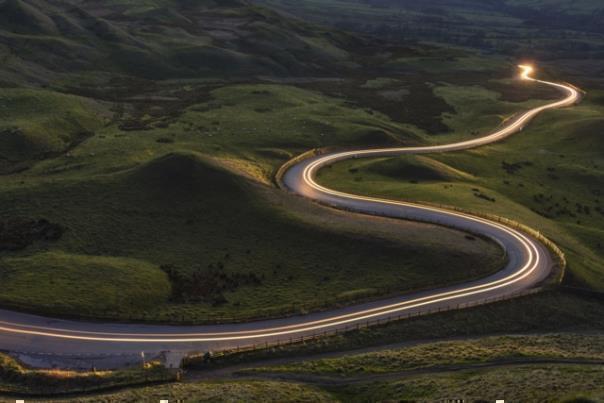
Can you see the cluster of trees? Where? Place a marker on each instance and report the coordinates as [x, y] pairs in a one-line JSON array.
[[513, 167], [18, 233], [206, 285], [551, 208]]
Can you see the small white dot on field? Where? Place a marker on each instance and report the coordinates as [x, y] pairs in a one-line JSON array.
[[499, 401], [163, 401]]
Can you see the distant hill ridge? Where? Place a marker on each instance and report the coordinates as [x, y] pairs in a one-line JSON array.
[[40, 39]]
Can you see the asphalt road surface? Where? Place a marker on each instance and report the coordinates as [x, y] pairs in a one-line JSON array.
[[43, 341]]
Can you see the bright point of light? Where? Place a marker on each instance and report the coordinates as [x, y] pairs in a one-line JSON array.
[[527, 70]]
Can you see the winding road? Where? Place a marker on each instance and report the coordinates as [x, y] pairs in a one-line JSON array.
[[529, 263]]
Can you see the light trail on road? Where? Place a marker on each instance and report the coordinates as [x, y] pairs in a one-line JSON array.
[[529, 264]]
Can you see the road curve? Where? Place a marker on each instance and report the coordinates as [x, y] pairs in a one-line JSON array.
[[529, 262]]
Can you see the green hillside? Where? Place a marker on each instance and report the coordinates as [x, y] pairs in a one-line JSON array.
[[38, 124]]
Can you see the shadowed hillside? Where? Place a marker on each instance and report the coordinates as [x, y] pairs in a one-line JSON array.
[[558, 29], [41, 39]]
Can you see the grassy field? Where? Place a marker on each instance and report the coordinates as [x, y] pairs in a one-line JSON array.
[[40, 124], [453, 353], [485, 369], [543, 383], [548, 312], [428, 377], [59, 282], [18, 380], [227, 391]]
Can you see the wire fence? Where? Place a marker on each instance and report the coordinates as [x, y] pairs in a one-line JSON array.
[[199, 358], [278, 177]]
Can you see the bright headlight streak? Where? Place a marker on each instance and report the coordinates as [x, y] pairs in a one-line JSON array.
[[307, 326], [532, 250]]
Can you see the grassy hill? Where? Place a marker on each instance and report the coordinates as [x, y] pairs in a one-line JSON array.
[[43, 40], [37, 124]]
